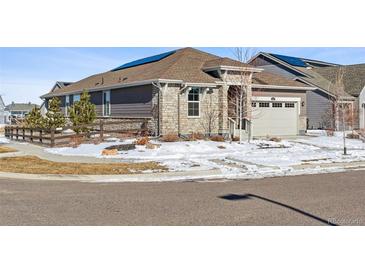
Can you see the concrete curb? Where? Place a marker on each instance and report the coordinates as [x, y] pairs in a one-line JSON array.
[[187, 175], [144, 177]]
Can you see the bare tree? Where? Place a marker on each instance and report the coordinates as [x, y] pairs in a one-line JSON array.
[[240, 93], [343, 115], [210, 115]]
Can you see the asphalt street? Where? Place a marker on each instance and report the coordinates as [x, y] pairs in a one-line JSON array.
[[325, 199]]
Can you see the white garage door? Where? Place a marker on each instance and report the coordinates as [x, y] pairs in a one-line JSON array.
[[278, 118]]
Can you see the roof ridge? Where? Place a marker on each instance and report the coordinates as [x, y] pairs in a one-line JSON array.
[[199, 51], [181, 55]]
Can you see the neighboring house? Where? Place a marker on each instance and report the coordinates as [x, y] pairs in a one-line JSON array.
[[60, 84], [179, 90], [362, 109], [3, 113], [319, 100], [20, 110], [56, 86], [354, 83]]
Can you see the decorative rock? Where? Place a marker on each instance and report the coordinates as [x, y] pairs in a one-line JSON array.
[[152, 146], [109, 152], [122, 147]]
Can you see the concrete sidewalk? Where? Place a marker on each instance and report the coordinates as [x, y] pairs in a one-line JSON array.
[[27, 149]]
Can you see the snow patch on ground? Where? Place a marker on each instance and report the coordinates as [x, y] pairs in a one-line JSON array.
[[233, 159], [334, 142], [3, 140]]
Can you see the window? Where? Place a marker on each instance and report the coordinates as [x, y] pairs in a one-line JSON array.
[[289, 105], [277, 105], [106, 103], [264, 104], [253, 104], [76, 98], [193, 102], [67, 104]]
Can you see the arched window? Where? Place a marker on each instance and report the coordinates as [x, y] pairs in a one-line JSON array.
[[194, 102]]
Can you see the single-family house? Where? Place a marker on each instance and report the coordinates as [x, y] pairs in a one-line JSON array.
[[20, 110], [56, 86], [3, 113], [312, 73], [354, 83], [188, 90]]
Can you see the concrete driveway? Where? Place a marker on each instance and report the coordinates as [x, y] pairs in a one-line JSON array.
[[326, 199]]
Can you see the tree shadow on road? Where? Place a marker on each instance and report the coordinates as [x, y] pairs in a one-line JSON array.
[[238, 197]]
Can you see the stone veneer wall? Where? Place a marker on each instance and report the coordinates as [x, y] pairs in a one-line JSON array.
[[173, 115]]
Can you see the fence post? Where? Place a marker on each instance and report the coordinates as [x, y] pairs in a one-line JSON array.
[[11, 133], [23, 134], [40, 136], [52, 137], [31, 135], [17, 133], [101, 130]]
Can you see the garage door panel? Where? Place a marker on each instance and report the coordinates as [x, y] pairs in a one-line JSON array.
[[275, 121]]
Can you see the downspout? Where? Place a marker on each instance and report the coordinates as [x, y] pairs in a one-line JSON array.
[[178, 108], [158, 112], [178, 113]]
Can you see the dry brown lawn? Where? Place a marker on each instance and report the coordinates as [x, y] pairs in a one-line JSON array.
[[35, 165], [4, 149]]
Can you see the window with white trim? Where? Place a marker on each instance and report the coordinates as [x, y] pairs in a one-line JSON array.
[[264, 104], [194, 102], [106, 103], [277, 105], [76, 98], [289, 105], [253, 104]]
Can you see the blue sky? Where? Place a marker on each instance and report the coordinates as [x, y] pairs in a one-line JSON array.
[[27, 73]]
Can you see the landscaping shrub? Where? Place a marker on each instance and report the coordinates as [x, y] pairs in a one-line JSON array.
[[76, 140], [196, 136], [97, 141], [142, 141], [170, 138], [353, 136], [82, 113], [235, 139], [275, 139], [330, 132], [54, 117], [217, 138], [34, 119], [221, 147]]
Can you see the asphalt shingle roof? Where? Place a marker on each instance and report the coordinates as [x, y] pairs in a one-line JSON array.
[[354, 77], [21, 107], [185, 64], [315, 78], [267, 78]]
